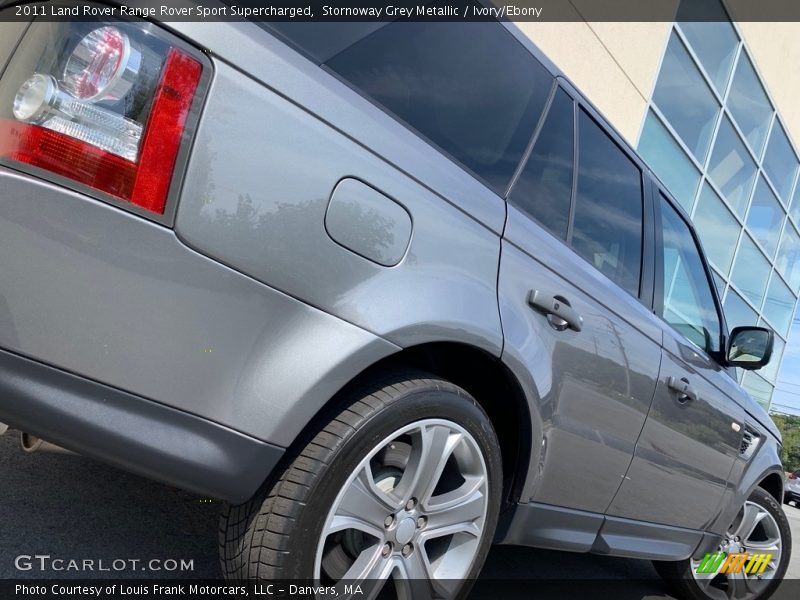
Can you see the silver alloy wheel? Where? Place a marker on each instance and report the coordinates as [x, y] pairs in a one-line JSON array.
[[413, 509], [754, 531]]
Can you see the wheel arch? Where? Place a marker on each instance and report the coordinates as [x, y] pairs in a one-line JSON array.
[[773, 485], [484, 376]]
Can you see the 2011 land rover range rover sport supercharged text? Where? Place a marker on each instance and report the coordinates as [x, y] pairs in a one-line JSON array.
[[380, 287]]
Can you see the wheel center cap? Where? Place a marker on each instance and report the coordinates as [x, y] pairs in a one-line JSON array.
[[405, 531]]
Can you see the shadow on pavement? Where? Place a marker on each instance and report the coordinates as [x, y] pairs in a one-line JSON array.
[[75, 508]]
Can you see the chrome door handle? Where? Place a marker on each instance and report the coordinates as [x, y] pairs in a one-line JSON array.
[[682, 388], [557, 309]]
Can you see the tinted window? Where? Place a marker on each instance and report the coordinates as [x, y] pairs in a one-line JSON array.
[[750, 271], [765, 217], [608, 211], [688, 301], [749, 104], [731, 167], [668, 161], [470, 88], [718, 229], [707, 27], [544, 190], [685, 99]]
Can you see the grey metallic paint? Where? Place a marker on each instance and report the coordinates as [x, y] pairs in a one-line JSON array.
[[367, 222], [93, 290], [595, 386], [255, 198]]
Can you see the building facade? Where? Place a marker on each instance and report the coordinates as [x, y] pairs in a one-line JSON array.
[[711, 105]]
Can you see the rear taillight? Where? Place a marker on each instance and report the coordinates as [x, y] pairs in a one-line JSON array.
[[102, 105], [792, 476]]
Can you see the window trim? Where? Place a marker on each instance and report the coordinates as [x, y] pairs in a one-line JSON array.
[[658, 304], [648, 251]]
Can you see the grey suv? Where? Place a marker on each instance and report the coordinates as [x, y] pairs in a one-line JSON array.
[[383, 288]]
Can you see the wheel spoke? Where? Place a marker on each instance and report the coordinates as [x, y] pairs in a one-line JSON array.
[[739, 585], [753, 514], [431, 449], [363, 506], [415, 578], [367, 565], [771, 545], [370, 571], [457, 511]]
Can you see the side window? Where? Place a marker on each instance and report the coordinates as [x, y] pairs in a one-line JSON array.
[[607, 229], [544, 189], [688, 301], [470, 88]]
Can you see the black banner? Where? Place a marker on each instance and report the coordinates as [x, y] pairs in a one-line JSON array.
[[483, 589], [412, 10]]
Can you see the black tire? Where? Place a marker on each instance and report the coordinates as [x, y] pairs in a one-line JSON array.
[[275, 534], [678, 575]]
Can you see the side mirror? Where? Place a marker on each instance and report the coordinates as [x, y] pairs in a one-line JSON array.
[[749, 348]]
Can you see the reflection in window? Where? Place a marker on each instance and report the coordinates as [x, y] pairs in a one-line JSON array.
[[749, 104], [779, 306], [751, 271], [607, 229], [737, 312], [426, 74], [718, 229], [688, 301], [759, 389], [720, 283], [731, 167], [713, 39], [795, 207], [544, 190], [765, 217], [788, 261], [686, 101], [668, 161], [780, 162], [770, 372]]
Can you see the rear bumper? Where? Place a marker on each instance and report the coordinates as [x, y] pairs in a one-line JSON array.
[[130, 432]]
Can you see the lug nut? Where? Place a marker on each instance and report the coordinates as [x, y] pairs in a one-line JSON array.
[[421, 522], [407, 549], [387, 522], [411, 504], [387, 549]]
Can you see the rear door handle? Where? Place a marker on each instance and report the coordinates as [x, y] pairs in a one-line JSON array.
[[558, 310], [682, 388]]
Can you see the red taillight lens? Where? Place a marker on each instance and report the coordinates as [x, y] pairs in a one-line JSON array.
[[792, 476], [108, 111], [162, 138]]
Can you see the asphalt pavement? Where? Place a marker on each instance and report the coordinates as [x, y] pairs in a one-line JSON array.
[[72, 508]]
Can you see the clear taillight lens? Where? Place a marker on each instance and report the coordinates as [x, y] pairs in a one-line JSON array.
[[103, 66], [103, 105]]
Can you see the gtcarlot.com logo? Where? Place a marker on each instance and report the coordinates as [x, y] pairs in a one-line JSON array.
[[48, 563]]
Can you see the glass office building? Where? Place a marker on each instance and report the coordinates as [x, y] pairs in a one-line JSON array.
[[713, 136], [712, 106]]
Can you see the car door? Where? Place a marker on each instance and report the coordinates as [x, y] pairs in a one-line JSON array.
[[572, 271], [694, 429]]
